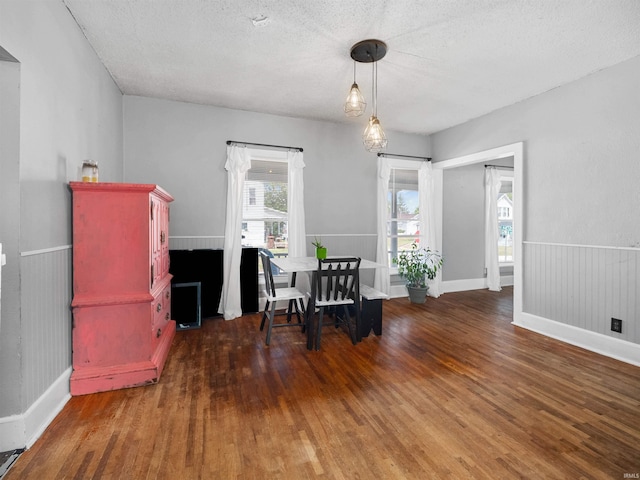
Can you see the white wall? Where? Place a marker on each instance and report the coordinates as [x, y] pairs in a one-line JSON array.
[[69, 110]]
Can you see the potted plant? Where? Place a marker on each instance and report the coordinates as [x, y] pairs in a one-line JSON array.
[[416, 266], [321, 250]]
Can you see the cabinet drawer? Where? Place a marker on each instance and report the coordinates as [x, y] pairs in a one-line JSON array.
[[161, 307], [166, 301]]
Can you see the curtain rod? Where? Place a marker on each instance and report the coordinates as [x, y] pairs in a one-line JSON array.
[[381, 154], [499, 166], [229, 142]]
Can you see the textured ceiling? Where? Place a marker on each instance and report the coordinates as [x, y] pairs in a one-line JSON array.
[[448, 61]]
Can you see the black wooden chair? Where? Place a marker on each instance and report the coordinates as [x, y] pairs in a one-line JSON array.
[[335, 284], [289, 294]]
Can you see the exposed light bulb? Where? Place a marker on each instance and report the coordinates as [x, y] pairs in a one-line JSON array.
[[367, 51], [374, 138], [355, 104]]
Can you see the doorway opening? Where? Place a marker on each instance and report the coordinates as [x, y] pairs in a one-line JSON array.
[[500, 154]]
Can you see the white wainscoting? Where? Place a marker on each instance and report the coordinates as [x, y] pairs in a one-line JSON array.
[[195, 243], [46, 319], [46, 344], [571, 292]]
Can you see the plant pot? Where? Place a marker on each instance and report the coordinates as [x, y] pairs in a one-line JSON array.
[[321, 253], [417, 294]]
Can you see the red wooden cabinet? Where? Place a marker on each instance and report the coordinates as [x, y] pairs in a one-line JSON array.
[[122, 327]]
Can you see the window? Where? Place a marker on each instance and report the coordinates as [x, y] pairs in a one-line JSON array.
[[505, 221], [403, 225], [264, 206]]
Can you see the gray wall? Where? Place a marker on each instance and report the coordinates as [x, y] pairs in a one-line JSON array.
[[69, 110], [182, 147], [463, 222], [581, 165], [580, 177], [10, 232], [581, 174]]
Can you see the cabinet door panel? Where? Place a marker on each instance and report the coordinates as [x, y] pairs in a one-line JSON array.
[[158, 232], [164, 238]]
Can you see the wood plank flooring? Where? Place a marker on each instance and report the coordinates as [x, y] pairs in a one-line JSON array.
[[450, 390]]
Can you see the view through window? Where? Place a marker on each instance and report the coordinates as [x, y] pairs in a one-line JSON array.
[[403, 226], [264, 207], [505, 221]]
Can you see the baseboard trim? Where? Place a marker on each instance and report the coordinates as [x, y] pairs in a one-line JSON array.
[[464, 285], [398, 291], [473, 284], [595, 342], [22, 431], [506, 281]]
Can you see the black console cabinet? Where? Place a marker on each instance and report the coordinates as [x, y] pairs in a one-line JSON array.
[[249, 280], [206, 266]]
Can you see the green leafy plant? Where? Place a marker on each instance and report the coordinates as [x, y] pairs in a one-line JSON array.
[[417, 265], [317, 243]]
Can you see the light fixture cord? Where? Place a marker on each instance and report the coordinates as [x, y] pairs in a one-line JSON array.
[[374, 88]]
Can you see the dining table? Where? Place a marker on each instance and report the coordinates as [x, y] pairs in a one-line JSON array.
[[295, 265], [310, 264]]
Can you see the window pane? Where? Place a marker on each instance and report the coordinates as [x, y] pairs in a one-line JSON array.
[[403, 226], [505, 222], [264, 208]]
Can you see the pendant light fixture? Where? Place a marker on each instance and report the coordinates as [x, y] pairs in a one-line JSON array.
[[370, 51], [355, 104], [373, 137]]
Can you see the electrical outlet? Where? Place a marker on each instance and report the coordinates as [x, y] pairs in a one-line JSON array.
[[616, 325]]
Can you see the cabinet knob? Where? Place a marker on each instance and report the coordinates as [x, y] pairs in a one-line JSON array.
[[166, 316], [158, 333], [167, 294], [158, 307], [162, 237]]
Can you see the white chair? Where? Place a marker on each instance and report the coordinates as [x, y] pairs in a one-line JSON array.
[[289, 294]]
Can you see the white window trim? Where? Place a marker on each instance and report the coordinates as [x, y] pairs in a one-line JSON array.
[[400, 164], [507, 175], [259, 154]]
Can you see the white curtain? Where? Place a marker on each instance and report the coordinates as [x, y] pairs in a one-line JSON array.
[[492, 186], [381, 280], [295, 206], [238, 163], [428, 201]]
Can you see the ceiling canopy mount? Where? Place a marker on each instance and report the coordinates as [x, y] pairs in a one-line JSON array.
[[369, 51]]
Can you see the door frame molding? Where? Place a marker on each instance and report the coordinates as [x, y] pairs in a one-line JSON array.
[[515, 150]]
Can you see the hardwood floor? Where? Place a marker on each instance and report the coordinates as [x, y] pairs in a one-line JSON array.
[[450, 390]]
